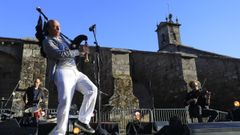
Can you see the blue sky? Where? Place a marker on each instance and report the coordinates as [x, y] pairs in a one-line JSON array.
[[210, 25]]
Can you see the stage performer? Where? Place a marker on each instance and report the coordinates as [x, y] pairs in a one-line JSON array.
[[198, 101], [33, 95], [61, 67]]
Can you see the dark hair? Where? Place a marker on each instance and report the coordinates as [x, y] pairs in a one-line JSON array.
[[175, 121]]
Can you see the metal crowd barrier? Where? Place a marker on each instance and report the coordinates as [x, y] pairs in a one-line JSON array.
[[4, 110], [51, 111], [222, 116], [124, 116], [164, 114]]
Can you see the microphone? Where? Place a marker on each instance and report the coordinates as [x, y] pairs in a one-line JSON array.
[[39, 9], [91, 28]]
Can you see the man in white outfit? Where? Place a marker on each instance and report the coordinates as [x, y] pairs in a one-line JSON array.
[[63, 72]]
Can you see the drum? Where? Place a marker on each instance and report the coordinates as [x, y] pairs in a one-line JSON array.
[[37, 114], [31, 109]]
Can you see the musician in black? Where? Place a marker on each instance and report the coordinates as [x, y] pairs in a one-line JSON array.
[[135, 127], [33, 94], [198, 101]]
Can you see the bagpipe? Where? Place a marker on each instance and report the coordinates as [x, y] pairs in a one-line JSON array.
[[74, 44]]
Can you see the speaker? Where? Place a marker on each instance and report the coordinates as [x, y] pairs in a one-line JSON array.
[[45, 128], [136, 128], [235, 114], [157, 125], [8, 127], [11, 127]]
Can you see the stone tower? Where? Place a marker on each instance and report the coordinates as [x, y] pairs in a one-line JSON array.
[[168, 32]]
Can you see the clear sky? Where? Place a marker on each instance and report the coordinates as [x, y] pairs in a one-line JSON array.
[[210, 25]]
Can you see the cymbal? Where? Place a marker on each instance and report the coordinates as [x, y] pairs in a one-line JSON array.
[[17, 99], [32, 109]]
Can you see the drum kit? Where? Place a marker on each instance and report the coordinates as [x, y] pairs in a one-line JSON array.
[[30, 116], [35, 112]]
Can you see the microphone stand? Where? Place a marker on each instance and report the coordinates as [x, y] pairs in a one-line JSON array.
[[152, 99], [12, 94], [97, 76]]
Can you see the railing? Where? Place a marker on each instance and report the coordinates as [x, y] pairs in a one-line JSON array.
[[222, 116], [165, 114], [3, 110], [51, 111], [124, 116]]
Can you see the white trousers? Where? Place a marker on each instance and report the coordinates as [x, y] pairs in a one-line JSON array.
[[67, 81]]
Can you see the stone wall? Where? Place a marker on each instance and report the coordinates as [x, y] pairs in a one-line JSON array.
[[33, 65], [10, 67], [189, 68], [156, 79], [188, 50], [222, 77], [159, 79], [123, 88]]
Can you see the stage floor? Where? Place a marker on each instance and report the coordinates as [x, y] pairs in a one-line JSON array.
[[216, 128]]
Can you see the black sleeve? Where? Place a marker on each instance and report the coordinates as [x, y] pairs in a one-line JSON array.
[[186, 99]]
